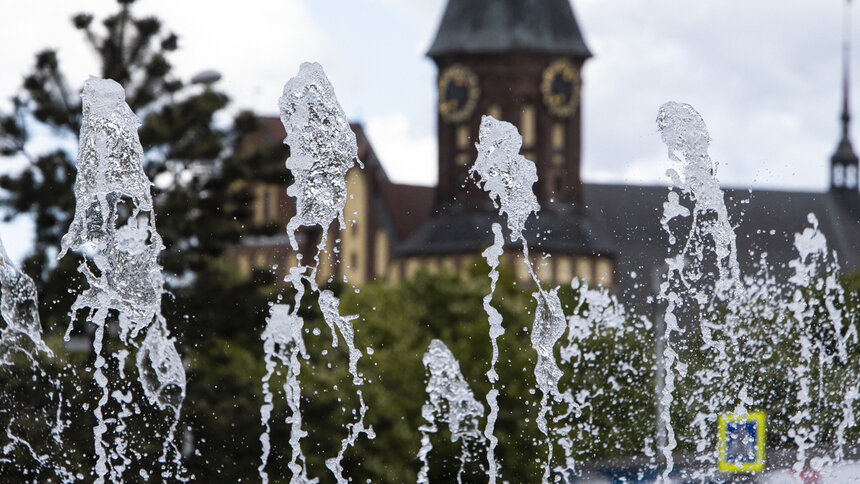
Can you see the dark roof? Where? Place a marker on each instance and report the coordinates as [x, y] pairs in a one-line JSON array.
[[493, 26], [470, 232], [270, 131], [764, 220], [408, 206], [845, 152], [366, 153], [846, 157]]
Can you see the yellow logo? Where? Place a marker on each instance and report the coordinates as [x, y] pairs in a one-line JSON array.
[[740, 445]]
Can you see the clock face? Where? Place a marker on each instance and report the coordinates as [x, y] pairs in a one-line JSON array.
[[458, 93], [560, 88]]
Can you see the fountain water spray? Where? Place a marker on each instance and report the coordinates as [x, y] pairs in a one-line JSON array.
[[19, 307], [508, 177], [492, 255], [322, 150], [704, 293], [22, 334], [704, 273], [449, 399], [283, 341], [742, 319], [114, 229], [597, 315], [816, 302]]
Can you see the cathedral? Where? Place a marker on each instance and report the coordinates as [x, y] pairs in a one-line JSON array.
[[521, 61]]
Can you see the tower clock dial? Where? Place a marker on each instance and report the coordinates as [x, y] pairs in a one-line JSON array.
[[560, 87], [458, 93]]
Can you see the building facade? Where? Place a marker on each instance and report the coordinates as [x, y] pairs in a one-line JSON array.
[[521, 61]]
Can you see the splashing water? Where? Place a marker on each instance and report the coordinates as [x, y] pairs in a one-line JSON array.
[[712, 313], [738, 320], [683, 130], [597, 316], [509, 178], [818, 314], [691, 280], [505, 174], [322, 150], [548, 328], [282, 341], [114, 228], [19, 307], [450, 400], [492, 255], [160, 368], [23, 334]]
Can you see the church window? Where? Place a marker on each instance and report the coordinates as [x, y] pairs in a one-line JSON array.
[[527, 126], [267, 206], [495, 111], [462, 137], [558, 136], [838, 175]]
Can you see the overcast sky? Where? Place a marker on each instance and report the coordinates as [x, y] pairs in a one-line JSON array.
[[764, 74]]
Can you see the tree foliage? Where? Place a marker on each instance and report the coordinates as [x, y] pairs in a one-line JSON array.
[[218, 314], [398, 321], [194, 156]]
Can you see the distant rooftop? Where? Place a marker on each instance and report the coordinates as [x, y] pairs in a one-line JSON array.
[[492, 26]]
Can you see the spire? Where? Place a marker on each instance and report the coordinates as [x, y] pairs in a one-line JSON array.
[[844, 163], [846, 68]]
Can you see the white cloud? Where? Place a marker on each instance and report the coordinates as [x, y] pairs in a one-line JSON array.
[[765, 75], [425, 13], [256, 48], [407, 156], [18, 237]]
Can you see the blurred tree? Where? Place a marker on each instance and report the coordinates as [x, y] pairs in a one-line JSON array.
[[794, 353], [194, 155], [398, 321], [192, 159], [218, 315]]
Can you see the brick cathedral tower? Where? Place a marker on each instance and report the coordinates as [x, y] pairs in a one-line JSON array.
[[519, 61]]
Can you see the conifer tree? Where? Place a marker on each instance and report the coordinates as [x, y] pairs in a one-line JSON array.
[[201, 209], [193, 160]]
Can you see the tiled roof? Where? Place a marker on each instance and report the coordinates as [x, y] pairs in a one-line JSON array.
[[493, 26], [765, 221], [408, 206], [465, 231]]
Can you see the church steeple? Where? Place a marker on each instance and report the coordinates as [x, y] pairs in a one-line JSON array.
[[519, 61], [844, 163], [503, 26]]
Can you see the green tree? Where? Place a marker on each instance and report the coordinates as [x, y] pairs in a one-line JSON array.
[[793, 352], [398, 321], [192, 160], [216, 315]]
